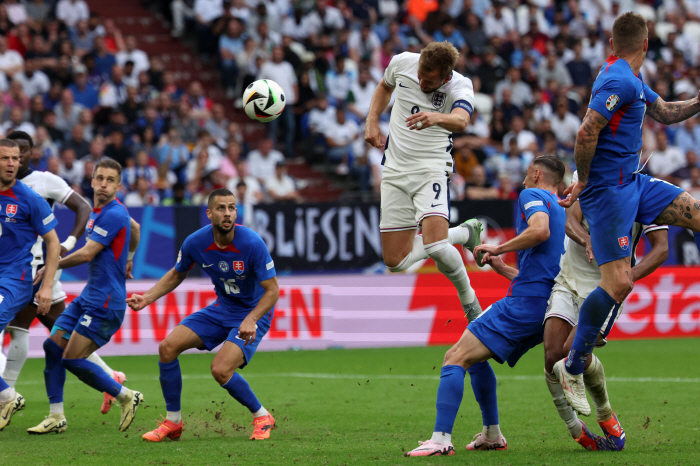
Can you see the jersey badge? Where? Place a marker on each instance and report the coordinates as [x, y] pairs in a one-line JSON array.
[[612, 102], [238, 267], [624, 242], [11, 210], [90, 224], [438, 99], [223, 266]]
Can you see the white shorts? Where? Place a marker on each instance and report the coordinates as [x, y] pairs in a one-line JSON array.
[[57, 293], [566, 305], [408, 197]]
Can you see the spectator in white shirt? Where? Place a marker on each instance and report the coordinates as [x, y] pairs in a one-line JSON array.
[[280, 186], [321, 116], [16, 11], [521, 92], [323, 17], [665, 159], [262, 161], [139, 57], [361, 94], [142, 196], [33, 81], [363, 43], [282, 73], [527, 141], [67, 111], [553, 68], [69, 168], [72, 11], [565, 124], [341, 133], [499, 21], [339, 80], [254, 192], [16, 123], [10, 60]]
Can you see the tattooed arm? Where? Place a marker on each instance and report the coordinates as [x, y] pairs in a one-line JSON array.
[[669, 113], [586, 142]]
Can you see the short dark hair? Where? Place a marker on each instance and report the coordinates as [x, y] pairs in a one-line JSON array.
[[553, 166], [629, 31], [221, 192], [8, 143], [107, 162], [21, 135]]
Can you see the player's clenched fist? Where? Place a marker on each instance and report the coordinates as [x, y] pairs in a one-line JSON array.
[[422, 120], [373, 135], [137, 302]]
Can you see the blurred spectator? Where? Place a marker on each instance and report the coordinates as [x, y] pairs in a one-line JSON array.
[[683, 174], [254, 192], [174, 154], [115, 148], [473, 33], [479, 187], [339, 80], [16, 96], [70, 169], [37, 110], [361, 93], [77, 142], [521, 93], [104, 61], [553, 69], [183, 122], [72, 11], [113, 92], [37, 161], [50, 124], [142, 168], [283, 74], [10, 60], [449, 33], [205, 142], [84, 187], [510, 164], [217, 125], [565, 124], [205, 12], [231, 44], [84, 94], [506, 188], [33, 81], [262, 161], [688, 135], [82, 38], [499, 20], [38, 11], [228, 164], [142, 196], [491, 70], [665, 159], [527, 141], [67, 112], [201, 105], [43, 142], [17, 123], [280, 187], [53, 165], [579, 68], [131, 53], [340, 134], [179, 197], [132, 107]]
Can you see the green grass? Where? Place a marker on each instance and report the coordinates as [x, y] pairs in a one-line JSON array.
[[370, 415]]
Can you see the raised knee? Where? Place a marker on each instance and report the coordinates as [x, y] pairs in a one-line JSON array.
[[166, 352]]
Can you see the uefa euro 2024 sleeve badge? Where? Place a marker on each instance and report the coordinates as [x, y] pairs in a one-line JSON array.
[[612, 102]]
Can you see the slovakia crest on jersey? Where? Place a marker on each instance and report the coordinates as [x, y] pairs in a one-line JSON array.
[[438, 99], [612, 102], [11, 210], [624, 242], [238, 267], [90, 224]]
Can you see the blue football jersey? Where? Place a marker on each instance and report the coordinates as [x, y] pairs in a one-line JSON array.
[[24, 215], [111, 227], [539, 266], [236, 271], [621, 97]]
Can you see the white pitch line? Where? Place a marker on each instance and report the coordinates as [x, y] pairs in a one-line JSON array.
[[311, 375]]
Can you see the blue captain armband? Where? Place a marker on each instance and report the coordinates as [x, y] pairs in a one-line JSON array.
[[463, 104]]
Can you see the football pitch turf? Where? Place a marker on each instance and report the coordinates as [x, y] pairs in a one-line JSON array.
[[340, 407]]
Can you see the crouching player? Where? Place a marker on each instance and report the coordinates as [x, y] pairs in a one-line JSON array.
[[511, 326], [241, 269], [94, 316]]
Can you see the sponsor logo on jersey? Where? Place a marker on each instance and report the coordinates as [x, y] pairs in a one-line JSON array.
[[438, 99], [612, 102], [101, 231], [90, 224], [179, 254], [269, 265], [624, 242], [11, 210], [223, 266], [49, 219], [532, 204], [238, 267]]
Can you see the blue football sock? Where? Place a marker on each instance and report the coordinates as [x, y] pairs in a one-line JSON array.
[[54, 372], [594, 311], [171, 384], [484, 388], [240, 390], [697, 239], [93, 375], [449, 397], [3, 385]]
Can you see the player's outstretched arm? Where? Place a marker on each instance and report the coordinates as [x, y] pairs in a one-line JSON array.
[[272, 293], [380, 99], [656, 257], [133, 244], [586, 142], [455, 121], [537, 232], [53, 249], [81, 209], [575, 230], [669, 113], [165, 285]]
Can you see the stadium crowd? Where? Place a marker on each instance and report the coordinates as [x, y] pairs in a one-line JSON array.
[[82, 90]]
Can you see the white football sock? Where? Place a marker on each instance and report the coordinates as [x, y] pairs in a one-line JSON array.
[[174, 416], [491, 432], [261, 412], [441, 437], [7, 394], [56, 408], [95, 358], [124, 394], [417, 253], [3, 358], [449, 262], [594, 378], [458, 235], [566, 413], [16, 354]]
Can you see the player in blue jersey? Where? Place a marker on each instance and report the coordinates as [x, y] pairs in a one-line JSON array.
[[24, 215], [612, 193], [511, 326], [241, 269], [93, 317]]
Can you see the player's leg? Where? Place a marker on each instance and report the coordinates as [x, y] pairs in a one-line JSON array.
[[18, 351]]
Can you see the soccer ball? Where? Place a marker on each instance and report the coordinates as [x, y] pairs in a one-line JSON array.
[[263, 100]]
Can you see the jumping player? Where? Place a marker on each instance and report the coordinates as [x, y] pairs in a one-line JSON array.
[[54, 189], [579, 276], [432, 102], [95, 316], [511, 326], [243, 274], [613, 193], [23, 216]]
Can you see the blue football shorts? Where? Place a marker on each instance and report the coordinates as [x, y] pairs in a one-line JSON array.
[[209, 326], [612, 210], [511, 326], [93, 322], [14, 295]]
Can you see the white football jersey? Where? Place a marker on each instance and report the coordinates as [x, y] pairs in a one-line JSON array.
[[409, 150], [52, 188]]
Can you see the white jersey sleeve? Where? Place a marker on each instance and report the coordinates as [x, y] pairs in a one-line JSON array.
[[57, 188], [389, 76]]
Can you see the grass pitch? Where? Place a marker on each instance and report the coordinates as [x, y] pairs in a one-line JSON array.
[[342, 407]]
